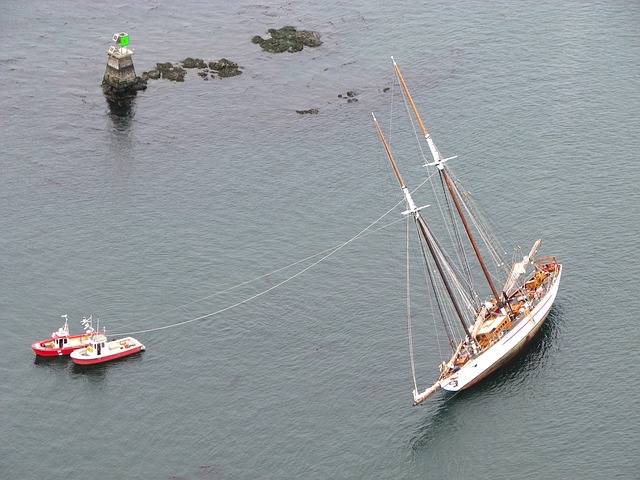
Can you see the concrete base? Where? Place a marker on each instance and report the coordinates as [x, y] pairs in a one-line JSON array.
[[120, 73]]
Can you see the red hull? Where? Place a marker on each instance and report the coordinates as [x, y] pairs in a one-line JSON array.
[[106, 358], [41, 348]]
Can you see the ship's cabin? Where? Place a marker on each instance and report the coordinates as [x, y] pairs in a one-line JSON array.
[[492, 329], [98, 343]]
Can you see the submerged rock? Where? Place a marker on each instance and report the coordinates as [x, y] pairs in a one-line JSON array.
[[287, 39], [225, 68], [168, 71], [350, 96], [193, 63]]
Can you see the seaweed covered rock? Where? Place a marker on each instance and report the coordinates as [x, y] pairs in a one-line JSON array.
[[225, 68], [287, 39], [168, 71], [193, 63], [176, 73]]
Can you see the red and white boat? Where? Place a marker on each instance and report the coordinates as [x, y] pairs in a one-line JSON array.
[[100, 350], [60, 343]]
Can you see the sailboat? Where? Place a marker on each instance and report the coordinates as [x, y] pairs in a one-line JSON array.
[[484, 332]]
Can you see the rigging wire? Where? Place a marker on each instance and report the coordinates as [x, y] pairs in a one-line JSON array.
[[409, 322], [450, 226], [485, 230], [326, 254], [456, 238]]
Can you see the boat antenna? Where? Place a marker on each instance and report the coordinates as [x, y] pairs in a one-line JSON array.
[[439, 162], [424, 229]]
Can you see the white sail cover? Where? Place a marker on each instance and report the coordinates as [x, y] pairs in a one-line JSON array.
[[519, 268]]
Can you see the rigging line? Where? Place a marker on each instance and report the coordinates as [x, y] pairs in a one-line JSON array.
[[451, 276], [456, 238], [435, 300], [234, 287], [483, 225], [273, 287], [440, 293], [433, 285], [409, 323]]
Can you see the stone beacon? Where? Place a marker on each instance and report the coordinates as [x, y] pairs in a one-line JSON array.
[[120, 75]]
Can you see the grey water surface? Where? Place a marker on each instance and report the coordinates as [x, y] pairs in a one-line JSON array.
[[148, 220]]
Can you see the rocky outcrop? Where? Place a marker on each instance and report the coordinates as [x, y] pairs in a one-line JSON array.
[[176, 73], [168, 71], [287, 39]]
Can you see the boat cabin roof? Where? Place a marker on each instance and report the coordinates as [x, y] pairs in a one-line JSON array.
[[61, 333], [490, 325], [98, 337]]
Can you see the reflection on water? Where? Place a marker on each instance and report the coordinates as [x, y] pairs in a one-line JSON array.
[[93, 373], [531, 359], [121, 113], [52, 363], [431, 427], [526, 364], [121, 107]]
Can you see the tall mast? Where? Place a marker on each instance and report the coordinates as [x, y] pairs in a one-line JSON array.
[[438, 161], [415, 211]]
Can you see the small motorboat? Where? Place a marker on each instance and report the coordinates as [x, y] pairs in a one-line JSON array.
[[61, 343], [101, 350]]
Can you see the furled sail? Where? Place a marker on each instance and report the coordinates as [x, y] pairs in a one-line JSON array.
[[519, 269]]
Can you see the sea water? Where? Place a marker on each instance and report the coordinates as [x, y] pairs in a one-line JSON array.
[[184, 209]]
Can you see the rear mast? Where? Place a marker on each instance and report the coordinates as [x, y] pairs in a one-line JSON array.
[[438, 161]]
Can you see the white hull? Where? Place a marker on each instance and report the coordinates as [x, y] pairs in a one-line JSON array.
[[509, 318], [101, 351], [508, 346]]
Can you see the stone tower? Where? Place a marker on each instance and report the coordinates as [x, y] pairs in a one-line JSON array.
[[120, 73]]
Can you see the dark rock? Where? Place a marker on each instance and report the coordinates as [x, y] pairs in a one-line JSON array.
[[312, 111], [225, 68], [175, 73], [171, 72], [287, 39], [350, 96], [193, 63], [110, 90]]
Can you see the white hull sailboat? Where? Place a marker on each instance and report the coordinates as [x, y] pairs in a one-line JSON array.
[[482, 334]]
